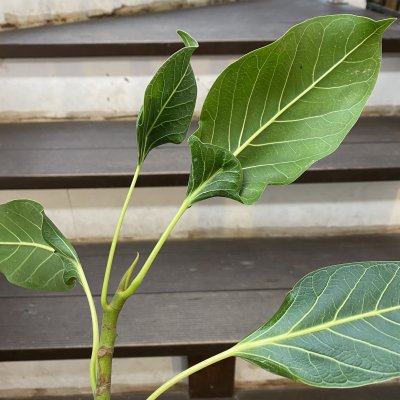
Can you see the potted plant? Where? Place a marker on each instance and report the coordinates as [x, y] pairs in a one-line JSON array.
[[268, 117]]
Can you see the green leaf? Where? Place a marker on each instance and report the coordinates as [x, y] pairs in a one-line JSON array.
[[338, 327], [169, 101], [33, 252], [282, 107], [215, 172]]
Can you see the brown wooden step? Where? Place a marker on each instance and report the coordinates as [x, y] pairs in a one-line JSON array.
[[103, 154], [235, 28]]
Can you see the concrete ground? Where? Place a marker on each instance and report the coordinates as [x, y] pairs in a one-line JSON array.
[[378, 392]]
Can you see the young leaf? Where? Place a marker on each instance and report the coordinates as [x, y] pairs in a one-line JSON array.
[[280, 108], [169, 101], [33, 252], [338, 327], [215, 172]]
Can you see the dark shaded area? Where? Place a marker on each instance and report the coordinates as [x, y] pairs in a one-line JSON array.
[[214, 381]]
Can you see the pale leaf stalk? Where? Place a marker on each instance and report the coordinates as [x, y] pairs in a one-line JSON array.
[[95, 327], [184, 374], [146, 266], [187, 203], [114, 242]]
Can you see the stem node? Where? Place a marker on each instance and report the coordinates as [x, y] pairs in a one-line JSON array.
[[105, 352]]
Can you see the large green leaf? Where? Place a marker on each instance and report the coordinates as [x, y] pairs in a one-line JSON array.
[[280, 108], [338, 327], [33, 252], [169, 101]]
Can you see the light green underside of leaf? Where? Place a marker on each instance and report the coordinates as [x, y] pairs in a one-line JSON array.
[[168, 102], [282, 107], [338, 327], [33, 253]]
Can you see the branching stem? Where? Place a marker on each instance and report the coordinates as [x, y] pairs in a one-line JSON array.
[[146, 266]]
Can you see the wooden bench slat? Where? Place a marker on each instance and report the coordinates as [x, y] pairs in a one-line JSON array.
[[103, 154], [247, 25], [170, 324], [195, 314], [170, 395], [121, 134], [225, 264]]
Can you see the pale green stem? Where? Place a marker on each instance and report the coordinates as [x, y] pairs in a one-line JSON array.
[[190, 371], [95, 328], [146, 266], [117, 232]]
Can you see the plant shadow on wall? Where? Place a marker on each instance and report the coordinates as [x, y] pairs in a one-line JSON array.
[[268, 117]]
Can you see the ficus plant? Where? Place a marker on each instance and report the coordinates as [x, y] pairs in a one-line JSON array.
[[268, 117]]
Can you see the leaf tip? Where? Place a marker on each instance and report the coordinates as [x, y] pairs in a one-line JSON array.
[[188, 40], [385, 23]]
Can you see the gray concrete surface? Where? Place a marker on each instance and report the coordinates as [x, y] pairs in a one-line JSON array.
[[389, 391]]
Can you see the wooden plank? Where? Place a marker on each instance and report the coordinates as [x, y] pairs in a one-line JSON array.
[[170, 395], [247, 25], [226, 264], [151, 324], [41, 169], [200, 319], [73, 135], [388, 10], [103, 154]]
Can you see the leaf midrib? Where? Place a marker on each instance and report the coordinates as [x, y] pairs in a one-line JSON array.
[[318, 328], [166, 103], [280, 112], [28, 244]]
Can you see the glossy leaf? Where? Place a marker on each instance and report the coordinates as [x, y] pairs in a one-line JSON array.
[[338, 327], [168, 102], [216, 172], [281, 108], [33, 252]]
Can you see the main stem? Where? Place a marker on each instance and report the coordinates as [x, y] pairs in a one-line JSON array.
[[106, 349]]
